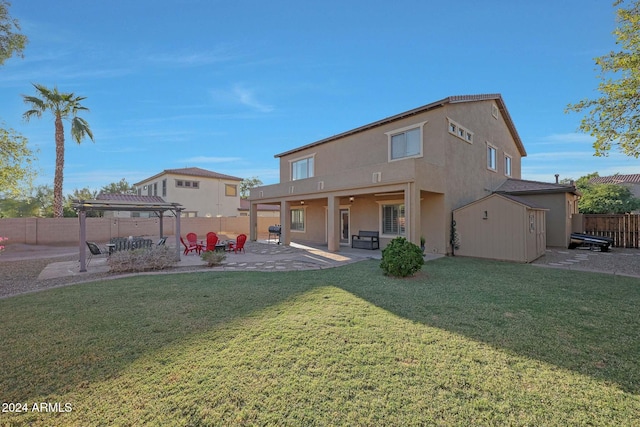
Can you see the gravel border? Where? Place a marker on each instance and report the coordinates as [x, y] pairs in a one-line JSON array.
[[619, 261]]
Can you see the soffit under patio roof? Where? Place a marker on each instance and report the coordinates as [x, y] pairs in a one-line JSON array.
[[114, 205]]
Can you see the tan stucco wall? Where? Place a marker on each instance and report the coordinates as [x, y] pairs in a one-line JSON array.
[[65, 231]]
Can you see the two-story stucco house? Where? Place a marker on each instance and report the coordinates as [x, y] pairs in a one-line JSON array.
[[400, 176], [201, 192]]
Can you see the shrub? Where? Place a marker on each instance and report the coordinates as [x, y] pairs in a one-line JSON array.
[[213, 258], [401, 258], [157, 258]]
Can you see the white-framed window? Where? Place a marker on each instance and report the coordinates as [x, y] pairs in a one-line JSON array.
[[492, 157], [393, 219], [507, 165], [459, 131], [164, 188], [406, 142], [297, 219], [494, 111], [187, 184], [302, 168]]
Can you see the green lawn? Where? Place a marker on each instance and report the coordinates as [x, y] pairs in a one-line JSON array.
[[466, 342]]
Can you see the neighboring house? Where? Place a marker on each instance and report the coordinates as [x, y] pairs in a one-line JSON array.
[[561, 201], [632, 182], [400, 176], [271, 211], [128, 198], [201, 192]]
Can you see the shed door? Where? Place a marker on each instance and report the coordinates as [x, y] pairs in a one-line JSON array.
[[541, 233]]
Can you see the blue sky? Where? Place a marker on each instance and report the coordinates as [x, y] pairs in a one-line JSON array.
[[225, 85]]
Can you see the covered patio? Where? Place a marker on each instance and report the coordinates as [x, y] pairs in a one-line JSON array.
[[158, 208]]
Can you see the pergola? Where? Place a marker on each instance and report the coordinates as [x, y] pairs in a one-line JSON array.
[[84, 206]]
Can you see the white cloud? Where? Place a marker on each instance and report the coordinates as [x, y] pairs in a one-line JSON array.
[[239, 94], [564, 138], [247, 97]]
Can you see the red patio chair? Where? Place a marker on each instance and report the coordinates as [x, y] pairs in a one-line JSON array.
[[188, 248], [239, 244], [212, 240], [192, 239]]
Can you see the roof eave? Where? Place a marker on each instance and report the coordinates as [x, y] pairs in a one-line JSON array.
[[437, 104]]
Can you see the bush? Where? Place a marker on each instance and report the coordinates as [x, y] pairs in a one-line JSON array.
[[401, 258], [157, 258], [213, 258]]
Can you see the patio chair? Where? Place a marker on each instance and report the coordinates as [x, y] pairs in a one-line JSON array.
[[192, 239], [94, 250], [188, 248], [238, 245], [212, 240]]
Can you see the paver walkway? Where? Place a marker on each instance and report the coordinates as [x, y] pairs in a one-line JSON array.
[[258, 256]]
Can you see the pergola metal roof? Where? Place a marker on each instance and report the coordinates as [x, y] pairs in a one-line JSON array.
[[117, 205], [84, 206]]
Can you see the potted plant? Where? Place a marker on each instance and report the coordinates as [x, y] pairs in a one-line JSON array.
[[422, 242]]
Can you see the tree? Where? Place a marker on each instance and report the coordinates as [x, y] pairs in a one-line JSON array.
[[604, 198], [247, 184], [63, 106], [614, 118], [39, 203], [11, 42], [608, 199], [120, 187], [15, 157], [16, 164], [80, 194]]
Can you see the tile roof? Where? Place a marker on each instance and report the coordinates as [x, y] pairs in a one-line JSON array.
[[522, 201], [192, 172], [617, 179], [129, 198], [449, 100], [515, 186]]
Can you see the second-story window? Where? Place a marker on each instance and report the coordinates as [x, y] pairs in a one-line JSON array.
[[405, 142], [507, 165], [491, 157], [302, 168]]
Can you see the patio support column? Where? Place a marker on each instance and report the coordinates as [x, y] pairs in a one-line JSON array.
[[285, 223], [253, 222], [82, 216], [333, 224], [412, 213]]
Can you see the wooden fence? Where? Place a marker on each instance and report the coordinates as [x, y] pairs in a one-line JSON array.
[[623, 229]]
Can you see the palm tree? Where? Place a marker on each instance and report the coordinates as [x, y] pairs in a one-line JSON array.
[[63, 106]]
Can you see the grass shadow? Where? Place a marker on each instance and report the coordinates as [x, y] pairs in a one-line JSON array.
[[67, 338], [584, 322]]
